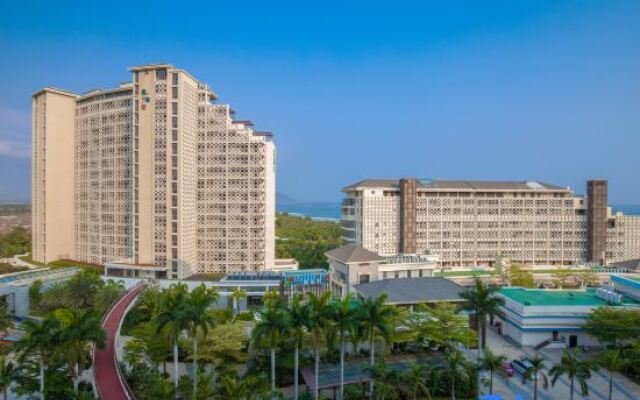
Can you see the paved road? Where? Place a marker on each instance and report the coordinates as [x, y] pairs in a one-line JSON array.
[[104, 361], [624, 389]]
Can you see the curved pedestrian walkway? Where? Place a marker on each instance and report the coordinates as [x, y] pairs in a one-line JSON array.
[[109, 383]]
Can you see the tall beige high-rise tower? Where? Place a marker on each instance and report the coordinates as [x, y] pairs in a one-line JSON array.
[[152, 175]]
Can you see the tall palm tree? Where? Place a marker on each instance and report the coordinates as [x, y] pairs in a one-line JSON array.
[[316, 324], [237, 295], [482, 299], [106, 295], [492, 362], [377, 318], [198, 303], [456, 368], [8, 374], [343, 313], [612, 361], [173, 319], [574, 368], [79, 330], [536, 374], [271, 325], [297, 319], [38, 341]]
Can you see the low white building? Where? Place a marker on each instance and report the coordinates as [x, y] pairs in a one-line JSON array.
[[351, 265], [552, 318]]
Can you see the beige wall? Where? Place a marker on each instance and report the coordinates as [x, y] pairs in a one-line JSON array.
[[53, 166]]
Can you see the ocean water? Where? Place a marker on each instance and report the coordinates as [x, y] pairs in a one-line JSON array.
[[331, 211], [324, 211]]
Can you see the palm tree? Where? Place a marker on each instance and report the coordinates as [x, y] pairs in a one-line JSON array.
[[38, 340], [536, 373], [574, 368], [297, 319], [8, 373], [492, 362], [271, 325], [316, 324], [197, 304], [612, 361], [343, 313], [236, 296], [377, 318], [173, 319], [6, 321], [54, 297], [483, 300], [107, 295], [456, 369], [80, 289], [79, 331], [387, 380], [418, 379]]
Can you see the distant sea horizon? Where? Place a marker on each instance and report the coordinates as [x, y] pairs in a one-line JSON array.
[[331, 211]]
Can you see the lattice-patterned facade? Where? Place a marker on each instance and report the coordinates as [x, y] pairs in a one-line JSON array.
[[160, 176], [471, 223], [103, 157]]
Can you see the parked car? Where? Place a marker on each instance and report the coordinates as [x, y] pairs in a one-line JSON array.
[[507, 369], [521, 366]]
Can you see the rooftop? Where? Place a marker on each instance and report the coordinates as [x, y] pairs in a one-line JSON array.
[[458, 185], [412, 290], [351, 253], [543, 297]]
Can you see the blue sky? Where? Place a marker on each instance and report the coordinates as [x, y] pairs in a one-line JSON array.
[[546, 90]]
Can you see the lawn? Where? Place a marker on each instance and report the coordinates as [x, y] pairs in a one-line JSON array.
[[64, 263]]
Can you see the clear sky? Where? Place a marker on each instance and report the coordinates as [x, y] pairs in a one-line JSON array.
[[536, 90]]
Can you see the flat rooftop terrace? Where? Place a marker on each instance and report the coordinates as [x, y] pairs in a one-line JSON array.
[[542, 297]]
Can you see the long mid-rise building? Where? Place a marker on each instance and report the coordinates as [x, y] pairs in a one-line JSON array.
[[151, 173], [472, 222]]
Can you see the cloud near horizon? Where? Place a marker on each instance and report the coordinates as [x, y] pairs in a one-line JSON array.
[[15, 133]]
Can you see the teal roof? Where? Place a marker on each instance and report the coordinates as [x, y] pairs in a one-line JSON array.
[[542, 297]]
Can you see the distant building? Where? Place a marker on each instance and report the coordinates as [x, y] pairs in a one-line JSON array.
[[350, 265], [151, 173], [555, 318], [470, 223]]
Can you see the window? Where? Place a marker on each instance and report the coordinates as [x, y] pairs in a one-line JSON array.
[[174, 108], [161, 75], [365, 278], [174, 78]]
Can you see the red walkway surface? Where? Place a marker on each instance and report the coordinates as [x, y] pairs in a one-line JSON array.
[[105, 370]]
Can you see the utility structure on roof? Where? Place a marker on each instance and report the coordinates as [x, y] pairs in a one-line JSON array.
[[470, 223]]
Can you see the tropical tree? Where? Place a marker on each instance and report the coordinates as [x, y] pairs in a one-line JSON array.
[[575, 369], [79, 330], [562, 276], [520, 276], [197, 306], [482, 299], [492, 362], [38, 341], [440, 325], [8, 373], [81, 288], [419, 380], [296, 329], [377, 318], [613, 362], [107, 294], [54, 297], [343, 313], [237, 295], [456, 369], [316, 324], [173, 320], [6, 320], [146, 344], [613, 325], [272, 321], [386, 380], [536, 374]]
